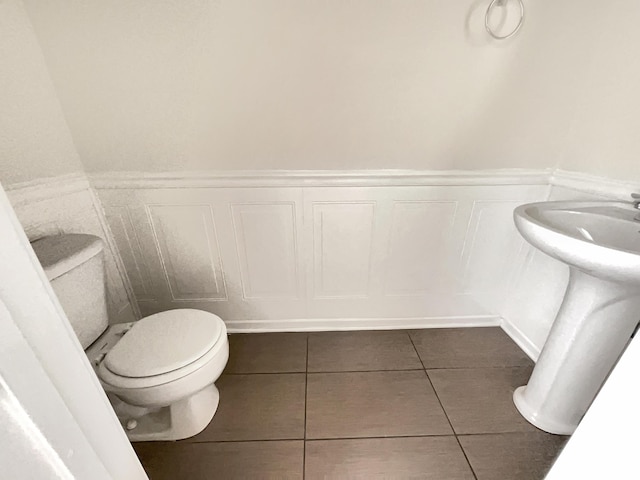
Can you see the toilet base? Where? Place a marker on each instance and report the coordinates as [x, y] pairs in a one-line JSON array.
[[179, 420]]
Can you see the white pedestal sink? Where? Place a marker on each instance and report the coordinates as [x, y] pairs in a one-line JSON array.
[[600, 241]]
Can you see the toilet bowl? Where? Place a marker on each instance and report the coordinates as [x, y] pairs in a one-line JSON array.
[[158, 372]]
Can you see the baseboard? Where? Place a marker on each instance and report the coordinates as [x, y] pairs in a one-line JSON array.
[[527, 346], [341, 324]]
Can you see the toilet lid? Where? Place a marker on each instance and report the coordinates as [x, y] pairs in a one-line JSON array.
[[164, 342]]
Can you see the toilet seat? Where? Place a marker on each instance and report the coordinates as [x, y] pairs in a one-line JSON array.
[[162, 348]]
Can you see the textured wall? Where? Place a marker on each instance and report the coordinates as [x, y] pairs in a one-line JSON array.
[[35, 141], [308, 84]]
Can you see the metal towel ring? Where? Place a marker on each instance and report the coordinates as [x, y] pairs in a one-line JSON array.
[[486, 20]]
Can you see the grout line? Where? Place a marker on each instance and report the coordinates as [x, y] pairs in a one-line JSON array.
[[370, 371], [244, 440], [264, 373], [454, 431], [466, 458], [488, 367], [443, 409], [331, 439], [512, 432], [330, 371], [495, 367], [306, 388], [323, 439]]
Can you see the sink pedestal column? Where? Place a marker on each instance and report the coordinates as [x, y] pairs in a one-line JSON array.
[[591, 330]]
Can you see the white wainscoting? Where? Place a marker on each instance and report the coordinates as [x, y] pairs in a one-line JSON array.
[[302, 250], [67, 204], [323, 250]]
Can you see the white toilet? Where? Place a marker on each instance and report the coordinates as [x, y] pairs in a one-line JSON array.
[[158, 372]]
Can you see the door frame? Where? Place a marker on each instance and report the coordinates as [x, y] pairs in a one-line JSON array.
[[50, 377]]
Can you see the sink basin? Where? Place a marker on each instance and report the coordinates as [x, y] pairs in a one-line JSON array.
[[601, 239], [600, 242]]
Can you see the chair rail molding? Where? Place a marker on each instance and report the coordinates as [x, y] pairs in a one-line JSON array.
[[592, 184], [317, 178], [46, 188]]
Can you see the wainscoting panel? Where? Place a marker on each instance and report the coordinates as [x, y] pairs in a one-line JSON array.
[[419, 260], [322, 251], [232, 251], [185, 237], [126, 238], [342, 242], [266, 237], [493, 245]]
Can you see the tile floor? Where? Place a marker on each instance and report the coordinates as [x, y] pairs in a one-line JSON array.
[[429, 404]]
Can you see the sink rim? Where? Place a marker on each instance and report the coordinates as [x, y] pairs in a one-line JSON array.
[[573, 206], [619, 265]]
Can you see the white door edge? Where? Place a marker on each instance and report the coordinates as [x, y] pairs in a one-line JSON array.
[[34, 326]]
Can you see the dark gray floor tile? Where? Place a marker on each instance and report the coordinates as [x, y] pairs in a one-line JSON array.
[[258, 407], [361, 351], [435, 458], [267, 353], [479, 400], [227, 460], [373, 404], [468, 347], [518, 456]]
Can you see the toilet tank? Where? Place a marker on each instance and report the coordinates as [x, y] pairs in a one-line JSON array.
[[74, 266]]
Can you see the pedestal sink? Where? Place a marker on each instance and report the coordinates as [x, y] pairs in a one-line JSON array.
[[600, 241]]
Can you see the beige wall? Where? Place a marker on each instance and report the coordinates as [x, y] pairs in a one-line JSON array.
[[35, 141], [306, 84], [604, 138]]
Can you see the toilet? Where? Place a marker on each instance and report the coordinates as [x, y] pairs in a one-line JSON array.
[[158, 372]]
